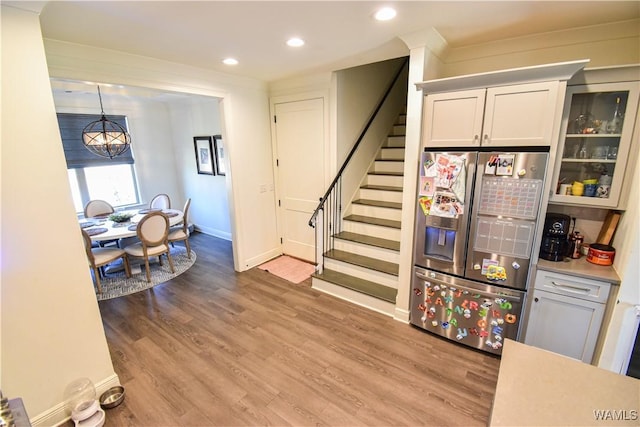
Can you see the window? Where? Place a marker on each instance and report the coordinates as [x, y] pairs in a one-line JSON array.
[[91, 176]]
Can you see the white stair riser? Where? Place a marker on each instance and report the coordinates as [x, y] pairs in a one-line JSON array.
[[383, 195], [388, 180], [372, 230], [368, 250], [388, 166], [361, 272], [376, 211], [354, 297], [392, 153], [395, 141]]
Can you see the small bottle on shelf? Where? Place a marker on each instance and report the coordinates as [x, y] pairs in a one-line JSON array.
[[582, 154], [615, 124]]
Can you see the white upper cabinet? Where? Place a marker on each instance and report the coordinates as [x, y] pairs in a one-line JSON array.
[[453, 119], [521, 115], [595, 144], [505, 116], [518, 107]]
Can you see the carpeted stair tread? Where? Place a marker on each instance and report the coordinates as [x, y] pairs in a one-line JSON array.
[[366, 287], [369, 240], [363, 261], [374, 221], [381, 187], [378, 203]]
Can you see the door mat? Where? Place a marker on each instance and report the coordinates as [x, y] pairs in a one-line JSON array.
[[288, 268]]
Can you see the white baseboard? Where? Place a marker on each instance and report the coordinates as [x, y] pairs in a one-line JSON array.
[[262, 258], [402, 315], [213, 232], [58, 414]]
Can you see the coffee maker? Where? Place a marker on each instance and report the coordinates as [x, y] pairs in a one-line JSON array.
[[554, 240]]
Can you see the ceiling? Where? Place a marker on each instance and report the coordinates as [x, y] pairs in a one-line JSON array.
[[338, 34]]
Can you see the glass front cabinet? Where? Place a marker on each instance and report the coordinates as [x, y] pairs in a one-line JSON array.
[[596, 139]]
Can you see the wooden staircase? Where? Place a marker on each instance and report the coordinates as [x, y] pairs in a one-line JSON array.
[[362, 267]]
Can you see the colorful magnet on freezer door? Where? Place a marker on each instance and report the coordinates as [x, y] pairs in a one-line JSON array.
[[495, 272]]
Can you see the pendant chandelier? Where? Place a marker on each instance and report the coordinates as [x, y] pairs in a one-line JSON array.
[[104, 137]]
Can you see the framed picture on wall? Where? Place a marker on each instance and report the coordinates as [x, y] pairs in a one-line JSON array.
[[219, 152], [204, 154]]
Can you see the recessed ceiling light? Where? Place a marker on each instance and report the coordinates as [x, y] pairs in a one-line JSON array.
[[385, 14], [230, 61], [295, 42]]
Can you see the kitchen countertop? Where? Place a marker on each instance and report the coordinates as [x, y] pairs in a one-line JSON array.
[[540, 388], [581, 268]]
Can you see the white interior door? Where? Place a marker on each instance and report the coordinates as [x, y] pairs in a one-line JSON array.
[[299, 133]]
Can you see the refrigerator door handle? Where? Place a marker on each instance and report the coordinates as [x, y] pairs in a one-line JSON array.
[[422, 276]]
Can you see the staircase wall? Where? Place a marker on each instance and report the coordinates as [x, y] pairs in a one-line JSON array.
[[378, 131]]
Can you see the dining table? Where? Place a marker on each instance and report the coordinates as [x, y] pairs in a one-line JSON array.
[[100, 228]]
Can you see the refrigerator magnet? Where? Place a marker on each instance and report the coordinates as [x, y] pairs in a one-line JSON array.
[[505, 165], [490, 167], [426, 186]]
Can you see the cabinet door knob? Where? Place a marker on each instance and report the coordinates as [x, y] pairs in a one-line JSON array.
[[476, 139], [486, 138], [536, 299]]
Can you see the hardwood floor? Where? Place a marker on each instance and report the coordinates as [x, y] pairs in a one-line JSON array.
[[215, 347]]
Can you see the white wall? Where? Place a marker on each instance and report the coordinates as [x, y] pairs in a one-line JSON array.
[[51, 333], [199, 116], [605, 45]]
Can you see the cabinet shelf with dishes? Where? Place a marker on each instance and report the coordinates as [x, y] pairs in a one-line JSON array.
[[595, 144]]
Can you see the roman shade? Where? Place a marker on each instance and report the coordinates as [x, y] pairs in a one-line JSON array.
[[77, 155]]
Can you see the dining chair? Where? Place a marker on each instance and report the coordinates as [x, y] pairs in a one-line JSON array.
[[100, 257], [95, 208], [153, 232], [177, 234], [161, 201]]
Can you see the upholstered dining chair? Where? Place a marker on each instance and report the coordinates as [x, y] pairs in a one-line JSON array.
[[95, 208], [153, 231], [160, 201], [177, 234], [99, 257]]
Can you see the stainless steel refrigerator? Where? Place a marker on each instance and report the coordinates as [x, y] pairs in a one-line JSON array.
[[476, 219]]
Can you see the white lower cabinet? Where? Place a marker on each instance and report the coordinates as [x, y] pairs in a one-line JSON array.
[[566, 314]]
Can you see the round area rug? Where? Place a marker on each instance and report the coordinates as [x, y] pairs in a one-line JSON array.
[[116, 284]]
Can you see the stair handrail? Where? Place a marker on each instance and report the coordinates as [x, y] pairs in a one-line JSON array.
[[372, 117]]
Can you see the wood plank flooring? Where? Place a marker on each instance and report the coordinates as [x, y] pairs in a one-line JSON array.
[[214, 347]]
